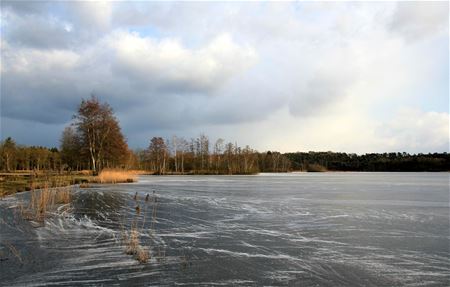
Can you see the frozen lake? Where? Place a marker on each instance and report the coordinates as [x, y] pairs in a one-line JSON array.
[[299, 229]]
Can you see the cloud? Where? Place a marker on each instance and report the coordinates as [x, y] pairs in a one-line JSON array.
[[417, 20], [91, 15], [43, 33], [166, 65], [322, 91], [285, 76], [122, 67], [31, 132], [38, 84], [24, 7], [415, 130]]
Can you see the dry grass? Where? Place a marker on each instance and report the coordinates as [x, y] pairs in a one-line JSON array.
[[14, 251], [132, 242], [44, 201], [131, 239], [85, 172], [143, 255], [316, 168], [63, 196], [133, 246], [20, 181], [115, 176], [139, 172]]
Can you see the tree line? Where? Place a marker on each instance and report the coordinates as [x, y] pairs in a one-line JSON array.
[[200, 156], [94, 141], [18, 157], [337, 161]]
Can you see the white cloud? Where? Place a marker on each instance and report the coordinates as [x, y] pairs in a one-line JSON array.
[[93, 15], [416, 20], [166, 64], [415, 130]]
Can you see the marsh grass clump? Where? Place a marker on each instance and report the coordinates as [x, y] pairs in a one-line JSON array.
[[44, 201], [131, 238], [115, 176], [132, 244], [143, 255], [63, 196]]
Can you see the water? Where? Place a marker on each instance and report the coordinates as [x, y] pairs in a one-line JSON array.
[[308, 229]]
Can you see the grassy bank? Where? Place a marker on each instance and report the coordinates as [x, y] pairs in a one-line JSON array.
[[13, 182]]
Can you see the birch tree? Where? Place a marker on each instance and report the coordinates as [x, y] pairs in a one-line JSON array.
[[99, 132]]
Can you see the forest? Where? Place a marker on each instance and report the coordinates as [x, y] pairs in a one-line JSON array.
[[336, 161], [94, 141]]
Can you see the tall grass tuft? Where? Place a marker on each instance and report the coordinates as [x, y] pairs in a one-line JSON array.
[[131, 238], [143, 255], [116, 176], [44, 201], [133, 246]]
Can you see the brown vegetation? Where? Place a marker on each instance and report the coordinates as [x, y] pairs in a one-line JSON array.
[[143, 255], [97, 136], [19, 181], [44, 201], [115, 176], [315, 168], [133, 246], [130, 239]]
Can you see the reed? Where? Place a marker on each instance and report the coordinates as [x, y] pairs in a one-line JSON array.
[[133, 243], [131, 239], [63, 196], [44, 201], [115, 176], [142, 255], [14, 251]]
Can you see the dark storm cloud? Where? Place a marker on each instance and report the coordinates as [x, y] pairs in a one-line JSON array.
[[31, 132], [25, 7], [41, 34], [122, 69]]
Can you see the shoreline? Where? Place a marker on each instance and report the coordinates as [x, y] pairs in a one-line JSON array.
[[20, 181]]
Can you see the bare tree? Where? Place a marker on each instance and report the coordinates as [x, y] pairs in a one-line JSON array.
[[158, 154], [100, 132], [183, 148], [8, 151], [218, 149]]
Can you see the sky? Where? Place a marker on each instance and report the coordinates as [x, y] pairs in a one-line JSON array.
[[289, 76]]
